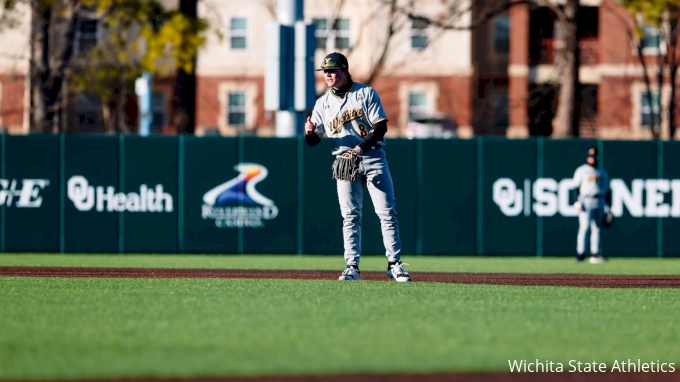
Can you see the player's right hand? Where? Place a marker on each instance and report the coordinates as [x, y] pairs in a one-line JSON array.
[[309, 126]]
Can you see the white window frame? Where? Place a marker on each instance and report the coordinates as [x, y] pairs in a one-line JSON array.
[[430, 88], [232, 109], [320, 33], [331, 34], [650, 31], [252, 92], [638, 89], [418, 33], [96, 36], [418, 110], [238, 33], [649, 109]]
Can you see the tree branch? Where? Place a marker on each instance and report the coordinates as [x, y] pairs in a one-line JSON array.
[[455, 13]]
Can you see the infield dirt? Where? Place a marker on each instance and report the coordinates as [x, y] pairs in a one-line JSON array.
[[571, 280]]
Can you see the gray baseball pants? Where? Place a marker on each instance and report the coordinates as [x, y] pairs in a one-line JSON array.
[[589, 223], [376, 172]]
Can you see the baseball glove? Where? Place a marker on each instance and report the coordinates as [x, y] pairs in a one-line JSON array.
[[608, 220], [346, 166]]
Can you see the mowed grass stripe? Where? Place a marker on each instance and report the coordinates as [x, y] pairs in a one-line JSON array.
[[529, 264], [74, 328]]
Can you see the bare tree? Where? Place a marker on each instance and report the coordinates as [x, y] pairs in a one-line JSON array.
[[170, 38], [392, 27], [567, 60], [662, 16], [52, 35]]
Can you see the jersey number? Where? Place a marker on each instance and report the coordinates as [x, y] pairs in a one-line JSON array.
[[362, 131]]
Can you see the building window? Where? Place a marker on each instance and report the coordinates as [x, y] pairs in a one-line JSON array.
[[418, 34], [417, 105], [88, 111], [652, 41], [321, 32], [501, 35], [341, 29], [236, 112], [158, 109], [331, 34], [647, 110], [238, 29], [87, 35]]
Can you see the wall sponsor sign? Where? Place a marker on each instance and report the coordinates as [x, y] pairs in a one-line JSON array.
[[237, 203], [96, 193], [547, 197], [105, 198], [239, 195], [22, 193]]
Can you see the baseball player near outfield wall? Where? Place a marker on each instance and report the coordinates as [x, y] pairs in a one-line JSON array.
[[353, 117], [593, 198]]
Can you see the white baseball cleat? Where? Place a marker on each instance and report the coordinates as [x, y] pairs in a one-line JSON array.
[[396, 271], [597, 259], [350, 274]]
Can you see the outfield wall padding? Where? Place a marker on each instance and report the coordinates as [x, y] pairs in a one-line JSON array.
[[186, 194]]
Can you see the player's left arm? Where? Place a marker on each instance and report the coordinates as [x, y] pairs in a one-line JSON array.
[[374, 136], [375, 113]]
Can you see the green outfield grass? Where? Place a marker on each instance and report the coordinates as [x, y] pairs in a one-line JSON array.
[[63, 327], [70, 328], [624, 266]]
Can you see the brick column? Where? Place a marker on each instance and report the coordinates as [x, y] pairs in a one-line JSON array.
[[518, 72]]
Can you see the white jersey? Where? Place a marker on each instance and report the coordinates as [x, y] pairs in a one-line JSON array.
[[591, 181], [347, 120]]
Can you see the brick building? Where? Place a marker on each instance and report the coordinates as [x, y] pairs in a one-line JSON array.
[[425, 71], [13, 68], [613, 97], [498, 79]]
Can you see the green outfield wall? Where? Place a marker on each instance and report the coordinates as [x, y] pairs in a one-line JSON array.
[[483, 196]]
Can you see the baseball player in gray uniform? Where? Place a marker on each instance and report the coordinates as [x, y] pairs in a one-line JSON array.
[[593, 196], [353, 117]]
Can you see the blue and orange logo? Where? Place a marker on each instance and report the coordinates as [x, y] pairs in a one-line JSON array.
[[236, 203], [240, 189]]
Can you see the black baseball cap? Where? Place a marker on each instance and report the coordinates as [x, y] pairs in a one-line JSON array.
[[334, 60]]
